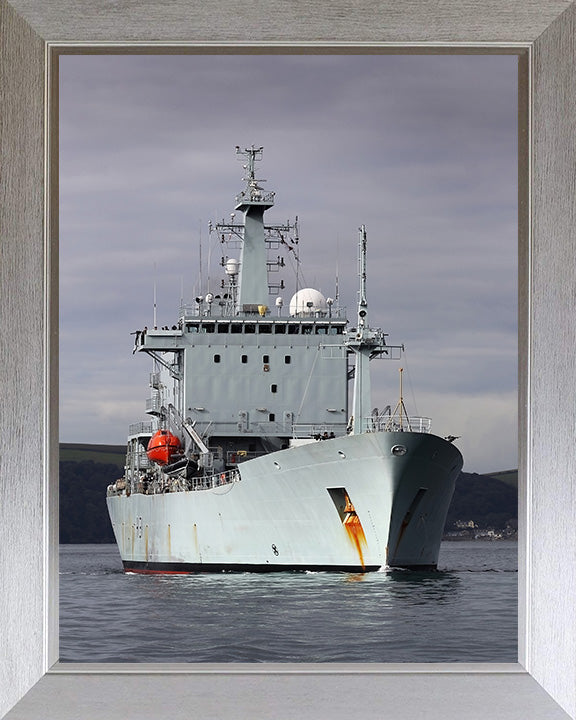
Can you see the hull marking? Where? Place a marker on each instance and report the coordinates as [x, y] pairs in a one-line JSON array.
[[409, 515]]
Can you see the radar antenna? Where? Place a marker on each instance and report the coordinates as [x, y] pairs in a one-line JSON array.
[[362, 302], [253, 154]]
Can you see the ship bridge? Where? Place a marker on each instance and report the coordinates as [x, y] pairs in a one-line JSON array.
[[253, 374]]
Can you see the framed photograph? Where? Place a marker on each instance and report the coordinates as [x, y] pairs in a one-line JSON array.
[[149, 169], [32, 39]]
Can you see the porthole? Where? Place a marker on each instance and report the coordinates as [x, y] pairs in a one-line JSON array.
[[398, 450]]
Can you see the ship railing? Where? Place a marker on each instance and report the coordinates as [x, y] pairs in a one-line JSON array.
[[140, 428], [317, 431], [235, 457], [154, 404], [188, 311], [253, 195], [397, 423], [208, 482]]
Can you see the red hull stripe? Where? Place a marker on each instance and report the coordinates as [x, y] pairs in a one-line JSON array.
[[161, 568]]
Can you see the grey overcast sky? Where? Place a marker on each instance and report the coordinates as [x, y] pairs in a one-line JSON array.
[[420, 149]]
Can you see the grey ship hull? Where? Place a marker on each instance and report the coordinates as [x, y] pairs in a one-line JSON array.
[[286, 511]]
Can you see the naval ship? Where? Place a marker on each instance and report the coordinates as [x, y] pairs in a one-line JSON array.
[[263, 452]]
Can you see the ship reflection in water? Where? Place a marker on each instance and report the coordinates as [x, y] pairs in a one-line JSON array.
[[466, 612]]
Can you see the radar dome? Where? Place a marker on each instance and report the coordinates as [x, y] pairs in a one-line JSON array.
[[308, 301]]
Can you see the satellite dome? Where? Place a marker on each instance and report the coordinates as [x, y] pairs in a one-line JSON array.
[[308, 302], [231, 267]]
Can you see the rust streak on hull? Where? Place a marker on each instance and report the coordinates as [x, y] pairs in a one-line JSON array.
[[356, 534]]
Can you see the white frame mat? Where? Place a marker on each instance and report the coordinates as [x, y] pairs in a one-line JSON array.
[[33, 685]]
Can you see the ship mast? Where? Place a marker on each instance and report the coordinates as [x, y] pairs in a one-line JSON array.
[[365, 344], [248, 287], [253, 202]]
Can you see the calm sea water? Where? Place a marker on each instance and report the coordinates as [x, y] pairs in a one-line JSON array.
[[464, 612]]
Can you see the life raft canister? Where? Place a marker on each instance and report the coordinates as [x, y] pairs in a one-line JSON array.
[[163, 447]]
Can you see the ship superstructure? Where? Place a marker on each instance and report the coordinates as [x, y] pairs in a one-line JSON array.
[[254, 458]]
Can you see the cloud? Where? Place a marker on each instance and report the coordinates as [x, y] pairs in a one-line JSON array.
[[422, 150], [487, 426]]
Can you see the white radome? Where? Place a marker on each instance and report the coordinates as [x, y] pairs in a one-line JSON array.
[[308, 300]]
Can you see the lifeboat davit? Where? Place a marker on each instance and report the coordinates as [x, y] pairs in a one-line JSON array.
[[163, 447]]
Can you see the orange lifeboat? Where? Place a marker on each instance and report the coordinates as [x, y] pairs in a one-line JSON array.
[[163, 447]]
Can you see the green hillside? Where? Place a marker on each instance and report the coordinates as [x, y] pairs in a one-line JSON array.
[[85, 473], [485, 500], [509, 477], [77, 452]]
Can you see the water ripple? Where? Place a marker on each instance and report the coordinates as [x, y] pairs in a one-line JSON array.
[[464, 612]]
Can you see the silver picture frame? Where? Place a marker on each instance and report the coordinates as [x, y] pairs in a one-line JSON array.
[[32, 682]]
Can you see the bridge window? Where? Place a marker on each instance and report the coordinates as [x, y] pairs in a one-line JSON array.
[[321, 329], [207, 328], [280, 329], [306, 329], [223, 327], [236, 328], [265, 329], [249, 328], [293, 329], [192, 327]]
